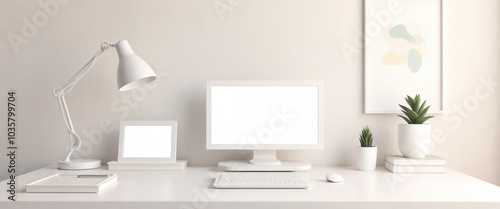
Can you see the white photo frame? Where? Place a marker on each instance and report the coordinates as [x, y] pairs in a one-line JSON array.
[[403, 54], [148, 141]]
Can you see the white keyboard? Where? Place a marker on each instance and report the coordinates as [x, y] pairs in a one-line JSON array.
[[261, 180]]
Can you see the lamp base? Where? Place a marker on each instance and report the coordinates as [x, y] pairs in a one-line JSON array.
[[79, 164]]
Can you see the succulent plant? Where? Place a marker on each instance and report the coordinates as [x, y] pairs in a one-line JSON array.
[[366, 137], [415, 114]]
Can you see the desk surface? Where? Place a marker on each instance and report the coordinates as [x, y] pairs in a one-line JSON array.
[[192, 188]]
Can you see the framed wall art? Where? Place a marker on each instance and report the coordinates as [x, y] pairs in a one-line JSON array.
[[403, 54]]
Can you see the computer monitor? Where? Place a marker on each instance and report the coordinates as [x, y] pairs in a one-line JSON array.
[[264, 116]]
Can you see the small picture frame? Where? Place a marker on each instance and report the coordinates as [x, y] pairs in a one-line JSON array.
[[148, 141]]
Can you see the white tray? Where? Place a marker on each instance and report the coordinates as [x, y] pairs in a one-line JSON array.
[[85, 183]]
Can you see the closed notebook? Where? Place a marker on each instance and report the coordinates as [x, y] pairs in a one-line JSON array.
[[415, 168], [428, 160]]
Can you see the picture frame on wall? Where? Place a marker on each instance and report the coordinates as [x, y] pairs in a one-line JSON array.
[[402, 54]]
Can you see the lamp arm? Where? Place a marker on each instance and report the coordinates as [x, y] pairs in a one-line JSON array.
[[72, 82], [59, 92], [75, 141]]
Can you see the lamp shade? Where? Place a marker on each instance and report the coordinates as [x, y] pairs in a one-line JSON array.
[[133, 71]]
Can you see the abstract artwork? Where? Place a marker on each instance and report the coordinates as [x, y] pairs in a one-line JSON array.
[[406, 48], [403, 53]]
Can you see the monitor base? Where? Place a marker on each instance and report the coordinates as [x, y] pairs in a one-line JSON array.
[[247, 166]]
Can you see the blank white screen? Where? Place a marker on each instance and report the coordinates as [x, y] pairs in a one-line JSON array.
[[147, 142], [264, 115]]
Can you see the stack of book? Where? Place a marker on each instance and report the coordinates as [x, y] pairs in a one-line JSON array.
[[401, 164]]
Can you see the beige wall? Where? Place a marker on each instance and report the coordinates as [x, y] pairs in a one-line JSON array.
[[189, 42]]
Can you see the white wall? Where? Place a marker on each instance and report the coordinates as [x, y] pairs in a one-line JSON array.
[[188, 42]]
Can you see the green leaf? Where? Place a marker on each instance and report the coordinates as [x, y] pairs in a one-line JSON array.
[[406, 119], [411, 102], [423, 119], [413, 116], [408, 101], [406, 114], [366, 137], [424, 112], [405, 108], [421, 108], [416, 103]]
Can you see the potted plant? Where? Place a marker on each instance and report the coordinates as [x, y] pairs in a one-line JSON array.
[[367, 154], [414, 138]]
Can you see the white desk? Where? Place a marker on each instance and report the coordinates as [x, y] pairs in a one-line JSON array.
[[192, 188]]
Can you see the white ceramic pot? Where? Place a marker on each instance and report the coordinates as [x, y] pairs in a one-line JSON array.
[[414, 140], [367, 158]]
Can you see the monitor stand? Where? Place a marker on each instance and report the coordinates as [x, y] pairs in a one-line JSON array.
[[264, 160]]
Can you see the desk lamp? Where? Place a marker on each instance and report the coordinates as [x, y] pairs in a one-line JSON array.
[[132, 72]]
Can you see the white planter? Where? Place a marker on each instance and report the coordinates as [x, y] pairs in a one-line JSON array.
[[414, 140], [367, 158]]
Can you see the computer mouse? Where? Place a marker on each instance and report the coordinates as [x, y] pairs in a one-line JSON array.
[[334, 177]]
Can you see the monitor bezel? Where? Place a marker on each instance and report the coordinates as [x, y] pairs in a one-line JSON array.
[[212, 83]]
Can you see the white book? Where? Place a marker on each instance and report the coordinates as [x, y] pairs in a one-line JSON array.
[[72, 183], [148, 166], [428, 160], [415, 168]]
